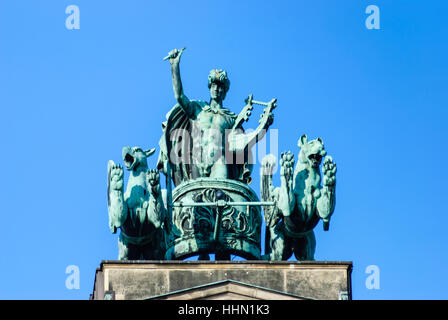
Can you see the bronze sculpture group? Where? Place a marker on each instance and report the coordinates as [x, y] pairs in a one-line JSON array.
[[205, 154]]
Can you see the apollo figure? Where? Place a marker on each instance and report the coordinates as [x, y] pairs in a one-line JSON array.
[[213, 132]]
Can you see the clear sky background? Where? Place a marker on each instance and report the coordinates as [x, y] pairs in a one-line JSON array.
[[71, 99]]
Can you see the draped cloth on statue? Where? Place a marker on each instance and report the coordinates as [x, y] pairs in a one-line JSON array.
[[178, 143]]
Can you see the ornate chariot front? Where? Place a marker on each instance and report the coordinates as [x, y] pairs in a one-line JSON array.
[[214, 216]]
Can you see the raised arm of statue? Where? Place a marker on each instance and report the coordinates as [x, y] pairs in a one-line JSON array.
[[184, 102]]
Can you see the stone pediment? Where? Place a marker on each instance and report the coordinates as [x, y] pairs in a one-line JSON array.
[[227, 290]]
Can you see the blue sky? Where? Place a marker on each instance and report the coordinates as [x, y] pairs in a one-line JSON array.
[[71, 99]]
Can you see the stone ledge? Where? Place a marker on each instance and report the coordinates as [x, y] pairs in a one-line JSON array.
[[123, 280]]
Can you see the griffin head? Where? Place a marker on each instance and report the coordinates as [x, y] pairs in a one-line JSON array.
[[135, 157], [311, 152]]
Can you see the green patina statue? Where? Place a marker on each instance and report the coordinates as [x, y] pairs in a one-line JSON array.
[[301, 200], [205, 154], [139, 212]]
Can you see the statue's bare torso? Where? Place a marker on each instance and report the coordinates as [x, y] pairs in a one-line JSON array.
[[209, 138]]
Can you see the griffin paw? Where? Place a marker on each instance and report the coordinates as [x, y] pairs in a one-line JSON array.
[[267, 165], [285, 195], [286, 164], [116, 177], [153, 177], [329, 172]]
